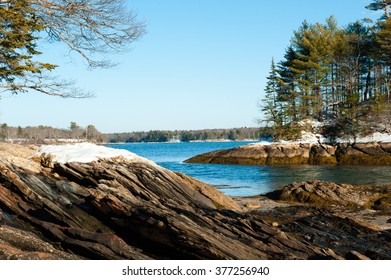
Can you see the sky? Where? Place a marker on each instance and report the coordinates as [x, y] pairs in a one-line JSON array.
[[202, 64]]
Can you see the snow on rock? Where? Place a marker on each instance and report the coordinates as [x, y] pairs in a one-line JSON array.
[[261, 143], [314, 124], [312, 138], [376, 137], [86, 152]]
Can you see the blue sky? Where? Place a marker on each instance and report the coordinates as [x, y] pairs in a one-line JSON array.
[[202, 64]]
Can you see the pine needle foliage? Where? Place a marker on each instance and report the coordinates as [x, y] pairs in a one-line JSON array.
[[19, 27], [340, 76]]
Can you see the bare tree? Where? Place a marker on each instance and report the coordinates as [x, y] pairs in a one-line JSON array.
[[90, 28], [93, 29]]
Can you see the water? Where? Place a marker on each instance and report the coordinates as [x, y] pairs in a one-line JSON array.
[[239, 180]]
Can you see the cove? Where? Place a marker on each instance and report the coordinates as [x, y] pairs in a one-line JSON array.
[[243, 180]]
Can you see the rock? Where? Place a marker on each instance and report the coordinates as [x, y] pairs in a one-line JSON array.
[[315, 153], [47, 160], [368, 153], [331, 236], [322, 154], [19, 244], [383, 203], [353, 255], [220, 200], [239, 155], [325, 193], [123, 209]]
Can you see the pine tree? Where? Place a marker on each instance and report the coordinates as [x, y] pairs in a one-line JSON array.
[[287, 94], [314, 48], [270, 106], [18, 44], [342, 76], [380, 5]]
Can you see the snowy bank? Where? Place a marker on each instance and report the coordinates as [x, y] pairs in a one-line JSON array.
[[86, 152], [314, 138]]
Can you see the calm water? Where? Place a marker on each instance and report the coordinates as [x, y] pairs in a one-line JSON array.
[[239, 180]]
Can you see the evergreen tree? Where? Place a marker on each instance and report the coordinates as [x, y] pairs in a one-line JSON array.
[[18, 45], [339, 75], [269, 102], [383, 38], [380, 5], [287, 94]]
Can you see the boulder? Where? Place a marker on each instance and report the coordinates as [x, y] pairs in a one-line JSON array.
[[321, 193]]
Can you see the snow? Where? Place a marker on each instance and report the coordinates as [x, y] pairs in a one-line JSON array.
[[261, 143], [313, 123], [376, 137], [85, 152], [313, 138], [309, 135]]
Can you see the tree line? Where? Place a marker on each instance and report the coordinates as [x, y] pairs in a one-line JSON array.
[[46, 134], [243, 133], [340, 76]]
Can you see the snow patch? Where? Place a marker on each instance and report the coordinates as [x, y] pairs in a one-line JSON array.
[[313, 138], [86, 152], [376, 137], [314, 124], [261, 143]]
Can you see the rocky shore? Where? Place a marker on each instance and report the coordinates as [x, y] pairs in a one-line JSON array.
[[120, 208], [316, 153]]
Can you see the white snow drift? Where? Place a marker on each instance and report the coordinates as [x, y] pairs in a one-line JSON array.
[[86, 152]]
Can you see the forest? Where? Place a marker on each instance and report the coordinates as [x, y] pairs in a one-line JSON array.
[[243, 133], [339, 76], [43, 134], [46, 134]]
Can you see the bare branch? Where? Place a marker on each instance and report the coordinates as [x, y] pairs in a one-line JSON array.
[[90, 28], [47, 85]]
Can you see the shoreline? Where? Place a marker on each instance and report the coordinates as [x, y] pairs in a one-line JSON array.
[[372, 153], [120, 208]]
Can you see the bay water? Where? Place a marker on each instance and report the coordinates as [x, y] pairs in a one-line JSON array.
[[244, 180]]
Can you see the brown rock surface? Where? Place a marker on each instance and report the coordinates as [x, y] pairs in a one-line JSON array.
[[325, 193], [342, 218], [121, 209], [359, 154]]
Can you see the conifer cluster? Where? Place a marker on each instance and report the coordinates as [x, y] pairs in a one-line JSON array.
[[338, 76]]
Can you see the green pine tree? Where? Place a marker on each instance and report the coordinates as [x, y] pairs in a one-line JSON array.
[[270, 105], [380, 5], [18, 45]]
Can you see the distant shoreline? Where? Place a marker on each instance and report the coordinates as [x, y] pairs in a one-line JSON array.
[[192, 141]]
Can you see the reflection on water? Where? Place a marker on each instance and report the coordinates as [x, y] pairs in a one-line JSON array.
[[239, 180]]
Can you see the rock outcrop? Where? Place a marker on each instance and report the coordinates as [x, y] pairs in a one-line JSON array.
[[120, 209], [123, 209], [343, 218], [342, 153], [331, 194]]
